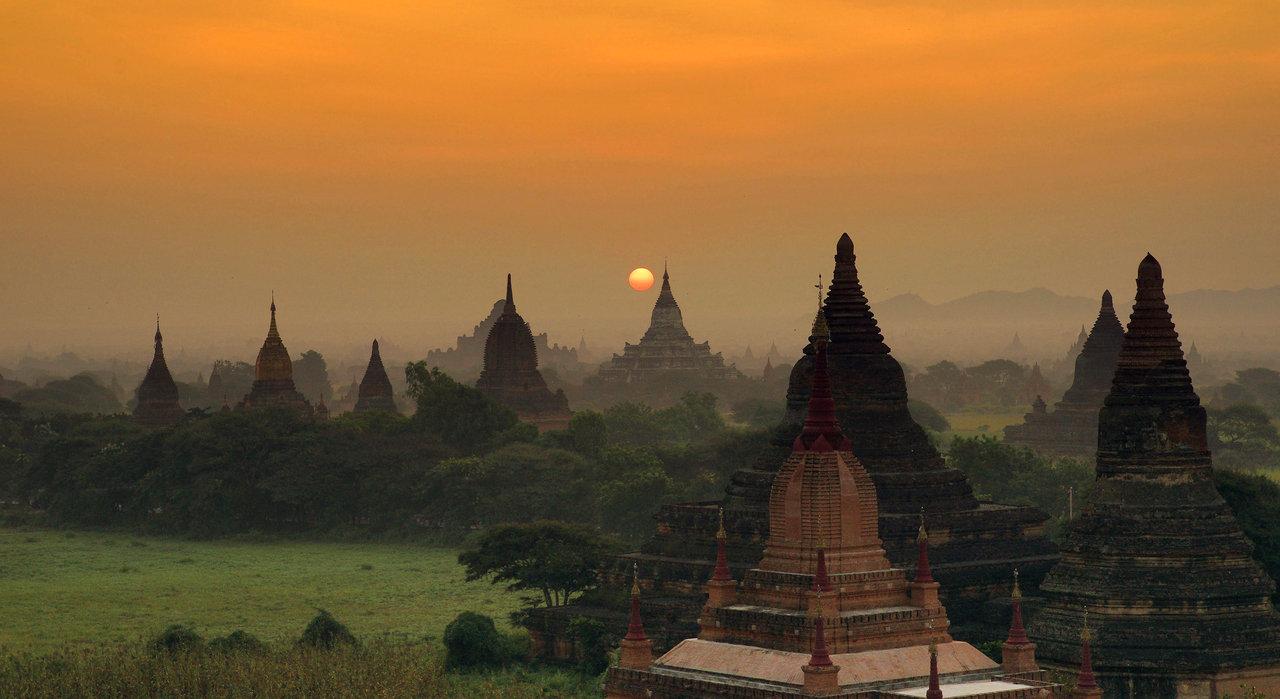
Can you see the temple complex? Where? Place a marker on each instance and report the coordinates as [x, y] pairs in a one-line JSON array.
[[510, 375], [467, 355], [823, 613], [375, 392], [158, 394], [1176, 605], [975, 544], [666, 350], [1072, 428], [273, 376]]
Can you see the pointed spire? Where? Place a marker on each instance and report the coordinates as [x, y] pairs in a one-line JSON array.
[[272, 331], [635, 628], [935, 689], [820, 657], [821, 429], [1086, 680], [1106, 304], [1017, 633], [511, 302], [1151, 364], [376, 354], [721, 572], [158, 338], [923, 572]]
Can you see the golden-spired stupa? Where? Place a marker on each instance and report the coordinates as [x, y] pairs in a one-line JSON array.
[[273, 375]]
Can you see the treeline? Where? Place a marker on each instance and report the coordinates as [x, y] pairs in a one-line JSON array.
[[461, 462]]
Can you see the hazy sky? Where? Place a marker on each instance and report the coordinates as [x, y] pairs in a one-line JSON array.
[[383, 168]]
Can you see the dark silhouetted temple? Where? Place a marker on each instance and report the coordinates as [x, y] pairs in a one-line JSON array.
[[375, 392], [273, 376], [1177, 605], [823, 613], [510, 375], [1072, 428], [975, 544], [666, 348], [157, 394]]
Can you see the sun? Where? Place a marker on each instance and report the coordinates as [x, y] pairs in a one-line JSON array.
[[641, 279]]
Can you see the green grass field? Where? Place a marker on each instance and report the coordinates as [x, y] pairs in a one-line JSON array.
[[59, 588], [973, 423]]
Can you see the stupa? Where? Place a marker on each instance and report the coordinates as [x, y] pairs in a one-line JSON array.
[[157, 394], [375, 392], [273, 376], [1071, 429], [666, 350], [823, 613], [510, 375], [975, 544], [1177, 606]]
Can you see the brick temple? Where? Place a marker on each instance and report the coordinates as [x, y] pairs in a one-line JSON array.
[[375, 392], [510, 375], [666, 349], [157, 394], [975, 543], [273, 376], [1071, 429], [823, 613], [1157, 560]]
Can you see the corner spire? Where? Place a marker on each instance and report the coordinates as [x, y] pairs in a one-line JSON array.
[[935, 689], [1017, 632], [721, 572], [635, 627], [1085, 680], [637, 649]]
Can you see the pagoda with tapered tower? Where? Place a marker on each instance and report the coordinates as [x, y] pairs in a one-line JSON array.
[[666, 350], [510, 375], [1178, 606], [273, 376], [975, 543], [823, 612], [375, 392], [1071, 429], [157, 394]]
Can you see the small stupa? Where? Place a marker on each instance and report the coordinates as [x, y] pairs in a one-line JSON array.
[[157, 394], [273, 375], [375, 392]]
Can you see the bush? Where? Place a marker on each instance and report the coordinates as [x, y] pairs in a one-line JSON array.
[[594, 643], [471, 641], [178, 638], [326, 632], [237, 641]]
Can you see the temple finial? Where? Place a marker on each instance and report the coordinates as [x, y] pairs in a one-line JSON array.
[[923, 572], [1085, 680], [935, 688], [510, 297], [1106, 302]]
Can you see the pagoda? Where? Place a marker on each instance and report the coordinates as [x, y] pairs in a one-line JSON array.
[[158, 394], [1179, 607], [375, 392], [273, 376], [975, 543], [510, 375], [666, 349], [1072, 428], [823, 613]]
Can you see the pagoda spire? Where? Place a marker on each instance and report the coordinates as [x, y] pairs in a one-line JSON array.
[[935, 689], [721, 589], [511, 302], [637, 649], [1018, 654], [157, 395], [821, 430], [272, 332], [923, 572], [1086, 684], [721, 572]]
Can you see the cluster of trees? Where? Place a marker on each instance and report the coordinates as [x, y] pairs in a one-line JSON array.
[[460, 462], [998, 383]]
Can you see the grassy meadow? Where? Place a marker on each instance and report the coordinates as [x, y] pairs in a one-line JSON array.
[[971, 423], [79, 608]]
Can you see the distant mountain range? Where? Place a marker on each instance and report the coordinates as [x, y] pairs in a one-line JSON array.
[[983, 325]]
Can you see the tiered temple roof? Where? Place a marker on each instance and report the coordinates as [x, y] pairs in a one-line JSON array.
[[665, 349], [976, 544], [1072, 428], [157, 394], [375, 392], [273, 375], [510, 375], [823, 613], [1177, 603]]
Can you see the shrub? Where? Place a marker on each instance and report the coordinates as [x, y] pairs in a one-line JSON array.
[[471, 640], [237, 641], [593, 641], [326, 632], [178, 638]]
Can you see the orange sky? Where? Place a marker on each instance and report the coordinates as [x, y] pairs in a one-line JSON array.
[[383, 168]]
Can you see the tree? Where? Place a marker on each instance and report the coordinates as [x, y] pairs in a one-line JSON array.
[[311, 376], [458, 415], [760, 413], [79, 394], [556, 559], [1243, 437], [928, 416]]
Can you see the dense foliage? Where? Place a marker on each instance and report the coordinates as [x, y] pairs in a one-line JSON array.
[[1243, 437], [556, 559], [1016, 476], [472, 641], [1255, 499], [996, 383], [461, 462]]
